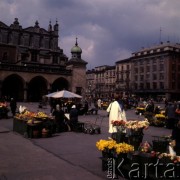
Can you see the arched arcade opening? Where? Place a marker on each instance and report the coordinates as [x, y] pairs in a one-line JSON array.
[[12, 86], [60, 84], [37, 88]]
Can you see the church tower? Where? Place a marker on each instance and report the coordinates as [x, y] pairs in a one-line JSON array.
[[78, 67]]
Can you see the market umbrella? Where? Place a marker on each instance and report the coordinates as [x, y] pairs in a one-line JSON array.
[[63, 94]]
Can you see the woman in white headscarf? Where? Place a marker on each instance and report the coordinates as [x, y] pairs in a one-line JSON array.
[[116, 113]]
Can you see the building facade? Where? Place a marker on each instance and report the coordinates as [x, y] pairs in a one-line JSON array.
[[101, 81], [32, 64], [156, 71], [151, 72]]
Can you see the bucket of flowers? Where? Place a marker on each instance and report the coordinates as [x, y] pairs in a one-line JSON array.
[[120, 130], [135, 131], [160, 120], [140, 110], [107, 149], [136, 127], [121, 153], [111, 149]]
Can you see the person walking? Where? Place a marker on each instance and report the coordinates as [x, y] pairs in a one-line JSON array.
[[58, 113], [170, 112], [13, 106], [73, 116], [176, 138], [116, 113]]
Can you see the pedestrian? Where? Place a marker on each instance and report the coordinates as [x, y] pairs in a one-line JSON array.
[[170, 112], [176, 138], [86, 107], [13, 106], [73, 116], [58, 113], [99, 103], [116, 113]]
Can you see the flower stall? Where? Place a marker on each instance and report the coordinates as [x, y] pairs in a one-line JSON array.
[[140, 110], [135, 131], [134, 158], [33, 125], [111, 149], [3, 110], [120, 131]]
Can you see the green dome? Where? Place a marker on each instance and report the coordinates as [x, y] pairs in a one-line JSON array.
[[76, 49]]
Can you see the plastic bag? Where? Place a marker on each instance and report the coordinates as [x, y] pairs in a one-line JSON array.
[[171, 151]]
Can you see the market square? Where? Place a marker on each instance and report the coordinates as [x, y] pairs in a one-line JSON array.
[[74, 152]]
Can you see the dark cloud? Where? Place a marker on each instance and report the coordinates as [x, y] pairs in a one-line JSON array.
[[107, 31]]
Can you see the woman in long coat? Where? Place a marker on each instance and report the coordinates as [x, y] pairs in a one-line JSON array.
[[116, 113]]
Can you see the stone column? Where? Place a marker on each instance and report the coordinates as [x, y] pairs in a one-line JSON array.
[[0, 88], [25, 91]]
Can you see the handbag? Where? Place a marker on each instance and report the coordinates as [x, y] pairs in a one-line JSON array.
[[109, 110]]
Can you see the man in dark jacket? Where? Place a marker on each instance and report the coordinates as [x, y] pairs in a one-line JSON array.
[[73, 115], [13, 106], [58, 113], [176, 138], [171, 115]]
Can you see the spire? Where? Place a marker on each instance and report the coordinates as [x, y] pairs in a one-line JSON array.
[[56, 26], [76, 42], [50, 26], [36, 24]]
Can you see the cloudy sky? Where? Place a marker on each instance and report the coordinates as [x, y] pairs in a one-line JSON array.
[[107, 30]]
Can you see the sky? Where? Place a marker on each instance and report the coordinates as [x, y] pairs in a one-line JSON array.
[[107, 30]]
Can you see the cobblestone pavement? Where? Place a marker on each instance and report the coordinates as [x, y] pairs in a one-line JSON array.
[[66, 155]]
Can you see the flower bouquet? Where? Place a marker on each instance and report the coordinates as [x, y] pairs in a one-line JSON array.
[[168, 158], [113, 147], [135, 132], [120, 125], [136, 127], [119, 128], [140, 110], [145, 147]]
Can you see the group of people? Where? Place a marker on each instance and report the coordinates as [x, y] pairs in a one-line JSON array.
[[63, 123]]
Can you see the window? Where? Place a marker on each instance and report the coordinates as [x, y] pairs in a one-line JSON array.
[[173, 85], [4, 37], [141, 62], [161, 76], [5, 56], [141, 78], [136, 70], [34, 57], [173, 67], [147, 68], [154, 61], [46, 43], [141, 86], [161, 67], [154, 85], [55, 59], [147, 76], [173, 76], [154, 68], [148, 85], [79, 90], [154, 76], [161, 85], [141, 69], [136, 78]]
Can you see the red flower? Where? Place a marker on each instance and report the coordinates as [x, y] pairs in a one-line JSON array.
[[118, 123]]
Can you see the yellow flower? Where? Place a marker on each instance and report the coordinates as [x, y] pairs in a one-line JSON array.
[[102, 145]]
